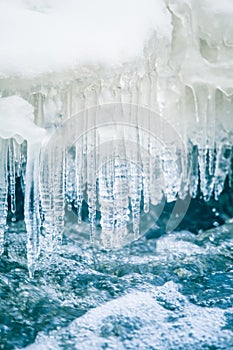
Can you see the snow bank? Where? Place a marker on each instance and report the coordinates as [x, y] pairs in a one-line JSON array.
[[51, 35]]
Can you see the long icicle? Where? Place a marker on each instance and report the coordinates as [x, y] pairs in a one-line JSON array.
[[32, 206], [11, 163], [3, 191]]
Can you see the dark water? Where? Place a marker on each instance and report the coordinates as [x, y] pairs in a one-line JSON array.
[[174, 292]]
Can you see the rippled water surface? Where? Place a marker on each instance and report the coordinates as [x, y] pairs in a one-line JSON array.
[[175, 292]]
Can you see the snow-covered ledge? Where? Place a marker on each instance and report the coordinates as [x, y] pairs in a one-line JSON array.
[[173, 58]]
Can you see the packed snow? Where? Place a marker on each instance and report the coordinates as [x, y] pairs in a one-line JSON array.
[[46, 36]]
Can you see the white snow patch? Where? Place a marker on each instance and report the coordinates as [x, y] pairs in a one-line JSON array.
[[51, 35], [16, 120]]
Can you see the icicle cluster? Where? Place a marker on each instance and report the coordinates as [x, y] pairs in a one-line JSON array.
[[12, 166], [124, 140]]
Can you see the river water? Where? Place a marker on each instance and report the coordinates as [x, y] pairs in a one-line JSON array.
[[174, 292]]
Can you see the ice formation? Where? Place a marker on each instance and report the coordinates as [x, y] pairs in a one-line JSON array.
[[136, 101]]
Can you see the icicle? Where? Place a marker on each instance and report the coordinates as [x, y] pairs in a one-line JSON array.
[[231, 169], [79, 181], [211, 130], [135, 180], [3, 191], [12, 174], [145, 91], [70, 190], [223, 164], [203, 102], [59, 198], [157, 181], [23, 162], [194, 180], [32, 206], [53, 194], [91, 193], [121, 200], [106, 200], [17, 155], [204, 175], [91, 95], [170, 173], [38, 100]]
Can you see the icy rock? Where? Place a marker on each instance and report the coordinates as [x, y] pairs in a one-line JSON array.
[[157, 318]]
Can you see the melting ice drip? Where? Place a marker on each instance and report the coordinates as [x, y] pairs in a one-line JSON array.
[[119, 138]]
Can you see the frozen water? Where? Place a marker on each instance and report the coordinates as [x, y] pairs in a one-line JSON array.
[[118, 127], [109, 111]]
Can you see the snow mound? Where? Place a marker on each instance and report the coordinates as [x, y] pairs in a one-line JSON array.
[[54, 35]]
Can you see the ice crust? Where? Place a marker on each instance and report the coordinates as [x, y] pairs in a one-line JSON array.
[[112, 83]]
